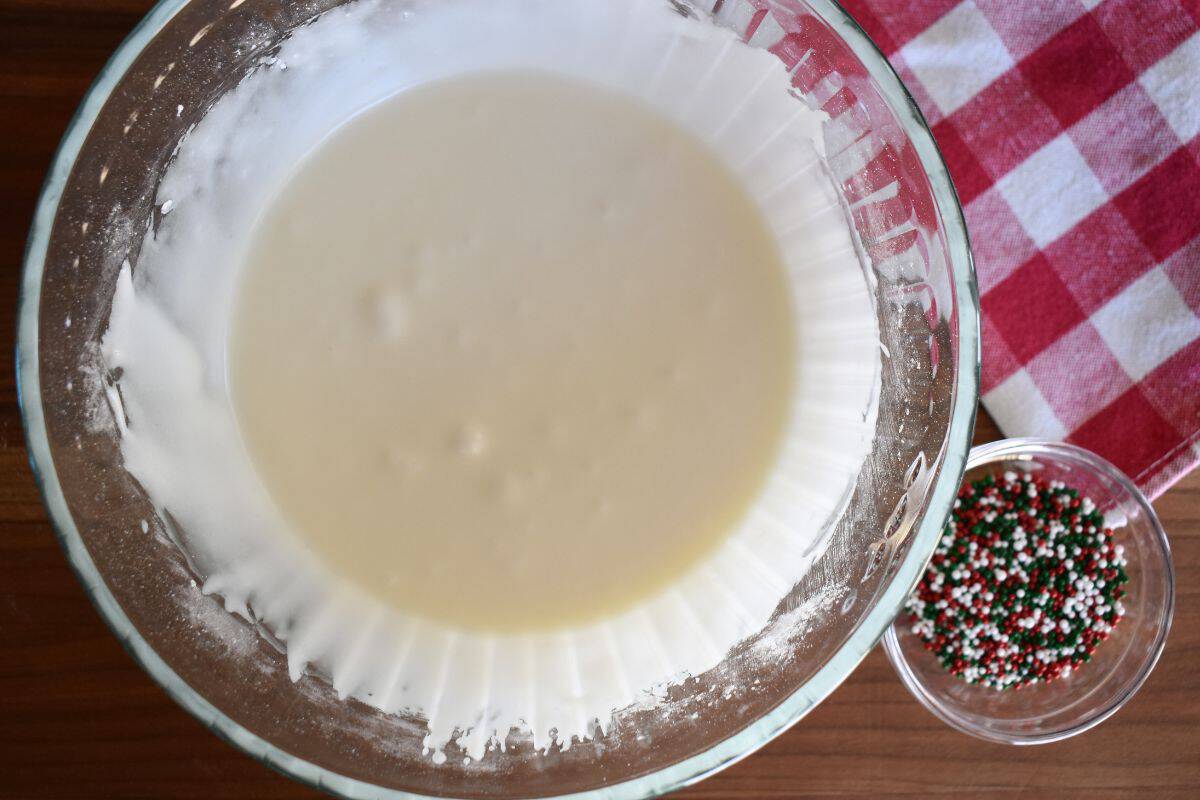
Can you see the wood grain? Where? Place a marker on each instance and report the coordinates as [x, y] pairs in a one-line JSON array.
[[79, 719]]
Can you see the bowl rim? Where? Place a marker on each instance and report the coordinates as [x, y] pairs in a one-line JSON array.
[[1004, 450], [683, 773]]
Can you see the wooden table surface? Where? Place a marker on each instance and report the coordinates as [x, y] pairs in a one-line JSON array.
[[79, 719]]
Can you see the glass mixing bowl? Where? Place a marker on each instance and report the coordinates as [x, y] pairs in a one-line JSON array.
[[97, 205], [1077, 702]]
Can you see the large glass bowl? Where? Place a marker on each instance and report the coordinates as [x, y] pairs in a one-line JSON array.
[[98, 203]]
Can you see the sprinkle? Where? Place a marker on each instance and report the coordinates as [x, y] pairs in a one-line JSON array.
[[1025, 582]]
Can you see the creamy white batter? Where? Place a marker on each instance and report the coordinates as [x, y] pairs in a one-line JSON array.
[[225, 401], [512, 352]]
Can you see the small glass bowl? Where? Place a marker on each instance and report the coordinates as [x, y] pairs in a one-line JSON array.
[[1048, 712]]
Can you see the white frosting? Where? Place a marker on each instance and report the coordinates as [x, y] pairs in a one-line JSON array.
[[170, 319]]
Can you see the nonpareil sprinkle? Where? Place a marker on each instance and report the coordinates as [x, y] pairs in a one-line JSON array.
[[1026, 581]]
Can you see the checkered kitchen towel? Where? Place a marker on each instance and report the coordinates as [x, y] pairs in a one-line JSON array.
[[1071, 131]]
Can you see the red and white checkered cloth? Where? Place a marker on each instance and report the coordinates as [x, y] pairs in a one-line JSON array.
[[1071, 131]]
